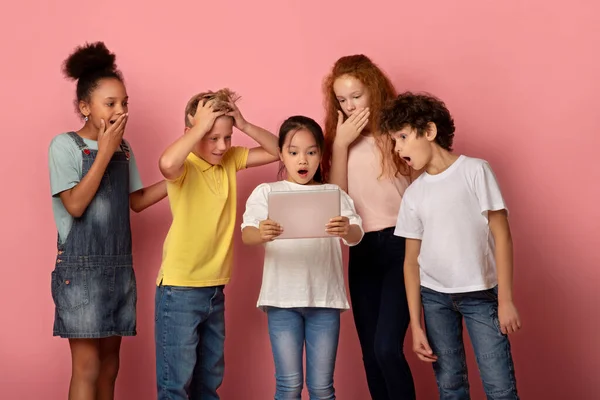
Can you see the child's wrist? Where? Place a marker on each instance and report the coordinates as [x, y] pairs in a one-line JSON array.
[[244, 126]]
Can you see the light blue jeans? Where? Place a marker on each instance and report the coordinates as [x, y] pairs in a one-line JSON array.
[[289, 330], [444, 315]]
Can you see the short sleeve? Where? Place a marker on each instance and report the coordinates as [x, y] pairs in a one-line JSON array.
[[408, 225], [135, 181], [240, 157], [487, 190], [348, 210], [257, 207], [64, 164]]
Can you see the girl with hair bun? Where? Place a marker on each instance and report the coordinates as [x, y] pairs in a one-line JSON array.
[[94, 182]]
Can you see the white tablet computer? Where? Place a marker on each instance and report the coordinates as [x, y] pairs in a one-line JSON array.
[[304, 213]]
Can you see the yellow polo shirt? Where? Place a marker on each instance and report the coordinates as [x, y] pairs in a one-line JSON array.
[[198, 250]]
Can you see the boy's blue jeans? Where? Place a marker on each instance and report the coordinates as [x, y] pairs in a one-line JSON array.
[[444, 314], [190, 338], [289, 330]]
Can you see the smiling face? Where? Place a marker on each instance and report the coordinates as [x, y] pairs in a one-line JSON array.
[[300, 156], [351, 94], [108, 101], [216, 142], [416, 150]]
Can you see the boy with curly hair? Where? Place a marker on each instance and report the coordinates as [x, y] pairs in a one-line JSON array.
[[459, 257]]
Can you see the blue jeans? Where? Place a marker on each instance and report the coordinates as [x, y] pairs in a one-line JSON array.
[[443, 323], [289, 329], [190, 338]]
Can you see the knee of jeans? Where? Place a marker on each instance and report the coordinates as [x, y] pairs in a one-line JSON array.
[[497, 374], [289, 386], [321, 391], [451, 370]]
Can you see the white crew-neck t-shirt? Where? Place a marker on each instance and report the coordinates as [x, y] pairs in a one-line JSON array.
[[300, 272], [448, 213]]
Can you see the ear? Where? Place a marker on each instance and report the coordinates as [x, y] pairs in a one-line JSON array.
[[280, 156], [431, 131], [84, 108], [186, 129]]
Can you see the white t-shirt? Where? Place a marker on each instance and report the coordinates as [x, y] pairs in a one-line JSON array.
[[300, 272], [448, 213]]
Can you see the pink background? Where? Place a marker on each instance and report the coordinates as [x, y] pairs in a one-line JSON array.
[[521, 78]]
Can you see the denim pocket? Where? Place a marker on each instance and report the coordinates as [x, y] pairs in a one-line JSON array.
[[70, 288]]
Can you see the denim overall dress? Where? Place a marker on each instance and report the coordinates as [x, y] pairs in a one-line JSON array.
[[93, 283]]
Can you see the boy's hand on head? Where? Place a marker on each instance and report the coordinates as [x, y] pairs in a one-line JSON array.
[[508, 317], [338, 226], [269, 230], [238, 119], [110, 139], [205, 116], [347, 131], [421, 346]]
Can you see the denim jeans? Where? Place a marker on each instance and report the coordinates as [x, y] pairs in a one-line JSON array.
[[444, 314], [380, 308], [190, 337], [289, 329]]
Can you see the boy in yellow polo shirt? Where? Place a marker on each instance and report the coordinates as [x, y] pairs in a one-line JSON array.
[[200, 168]]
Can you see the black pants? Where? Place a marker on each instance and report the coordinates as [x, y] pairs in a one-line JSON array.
[[381, 315]]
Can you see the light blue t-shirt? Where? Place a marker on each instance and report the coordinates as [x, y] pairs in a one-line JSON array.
[[65, 165]]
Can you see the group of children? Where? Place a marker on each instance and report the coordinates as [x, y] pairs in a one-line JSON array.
[[427, 230]]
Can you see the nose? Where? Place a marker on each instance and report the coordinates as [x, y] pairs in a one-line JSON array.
[[221, 145], [350, 106], [398, 147]]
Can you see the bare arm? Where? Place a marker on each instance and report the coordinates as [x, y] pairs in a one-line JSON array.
[[77, 199], [172, 160], [507, 312], [269, 150], [346, 133], [338, 174], [145, 197], [412, 281], [251, 236], [267, 231]]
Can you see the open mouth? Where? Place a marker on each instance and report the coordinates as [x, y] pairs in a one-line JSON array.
[[112, 121], [303, 172]]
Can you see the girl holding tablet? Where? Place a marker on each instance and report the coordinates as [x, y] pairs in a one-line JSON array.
[[303, 291]]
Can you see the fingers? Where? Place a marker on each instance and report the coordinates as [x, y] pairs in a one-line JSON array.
[[191, 120], [269, 230], [340, 118], [358, 116], [119, 126], [337, 225], [512, 326], [424, 352], [102, 127], [363, 118]]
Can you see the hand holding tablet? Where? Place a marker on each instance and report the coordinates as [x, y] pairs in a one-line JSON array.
[[304, 214]]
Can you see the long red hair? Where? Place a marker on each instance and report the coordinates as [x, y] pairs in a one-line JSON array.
[[381, 91]]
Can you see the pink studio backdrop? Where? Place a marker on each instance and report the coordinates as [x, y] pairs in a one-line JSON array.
[[521, 78]]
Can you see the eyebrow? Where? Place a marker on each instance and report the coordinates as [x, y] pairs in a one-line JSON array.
[[310, 147], [114, 98]]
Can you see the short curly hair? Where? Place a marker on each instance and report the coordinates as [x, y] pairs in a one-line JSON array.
[[417, 110], [221, 99]]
